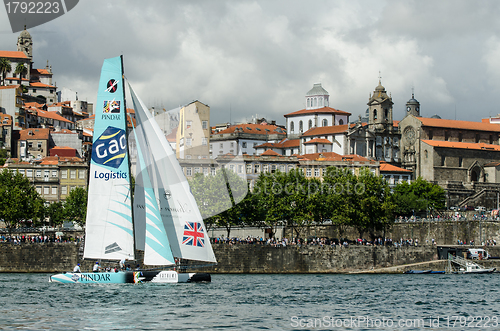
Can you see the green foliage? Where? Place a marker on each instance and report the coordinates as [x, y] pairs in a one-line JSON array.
[[19, 201], [418, 197], [5, 68], [56, 213], [75, 206]]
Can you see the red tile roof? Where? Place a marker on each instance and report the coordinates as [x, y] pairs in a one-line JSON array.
[[41, 71], [172, 136], [253, 129], [38, 84], [456, 124], [386, 167], [462, 145], [13, 54], [52, 115], [285, 143], [5, 119], [29, 134], [8, 87], [332, 156], [64, 131], [324, 130], [270, 153], [318, 141], [324, 110]]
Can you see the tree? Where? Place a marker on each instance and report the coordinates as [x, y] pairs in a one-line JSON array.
[[5, 68], [19, 200], [75, 206], [55, 212], [418, 197], [21, 70]]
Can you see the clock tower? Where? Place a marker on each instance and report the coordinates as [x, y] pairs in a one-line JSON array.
[[25, 44], [413, 107]]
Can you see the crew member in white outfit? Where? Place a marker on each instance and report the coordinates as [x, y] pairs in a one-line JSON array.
[[96, 267], [77, 268]]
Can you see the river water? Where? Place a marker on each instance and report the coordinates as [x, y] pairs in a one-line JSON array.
[[256, 302]]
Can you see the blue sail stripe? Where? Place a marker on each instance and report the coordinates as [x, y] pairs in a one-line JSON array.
[[129, 231], [125, 216]]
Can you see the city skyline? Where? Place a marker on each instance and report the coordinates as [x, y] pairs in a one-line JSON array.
[[255, 58]]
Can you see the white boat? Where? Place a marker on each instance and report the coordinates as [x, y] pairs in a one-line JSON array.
[[162, 218], [466, 266]]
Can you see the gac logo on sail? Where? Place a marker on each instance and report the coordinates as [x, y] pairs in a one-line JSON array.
[[110, 148]]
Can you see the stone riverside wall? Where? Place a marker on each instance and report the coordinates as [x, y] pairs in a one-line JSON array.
[[443, 232], [52, 257]]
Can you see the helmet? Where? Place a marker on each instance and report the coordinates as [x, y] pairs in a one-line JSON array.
[[78, 264], [97, 263]]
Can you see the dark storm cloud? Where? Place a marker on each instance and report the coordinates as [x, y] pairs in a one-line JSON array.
[[261, 57]]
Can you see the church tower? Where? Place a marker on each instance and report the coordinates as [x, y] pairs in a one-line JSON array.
[[25, 44], [380, 109], [413, 107]]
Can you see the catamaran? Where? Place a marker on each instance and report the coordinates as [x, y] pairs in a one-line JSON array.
[[161, 218]]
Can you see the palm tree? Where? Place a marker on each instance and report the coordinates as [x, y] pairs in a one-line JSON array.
[[21, 70], [5, 68]]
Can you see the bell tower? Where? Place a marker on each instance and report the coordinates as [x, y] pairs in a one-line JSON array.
[[379, 108], [25, 44]]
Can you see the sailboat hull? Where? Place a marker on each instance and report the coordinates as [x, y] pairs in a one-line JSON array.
[[121, 277]]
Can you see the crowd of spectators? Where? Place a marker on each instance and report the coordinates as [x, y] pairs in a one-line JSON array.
[[22, 239]]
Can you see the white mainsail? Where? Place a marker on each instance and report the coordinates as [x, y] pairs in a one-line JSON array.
[[109, 228], [183, 223]]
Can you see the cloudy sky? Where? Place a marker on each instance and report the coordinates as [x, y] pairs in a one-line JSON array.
[[248, 58]]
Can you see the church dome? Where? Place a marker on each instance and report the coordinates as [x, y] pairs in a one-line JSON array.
[[413, 101], [380, 87], [436, 116], [317, 90]]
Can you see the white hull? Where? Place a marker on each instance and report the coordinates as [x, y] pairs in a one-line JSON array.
[[122, 277]]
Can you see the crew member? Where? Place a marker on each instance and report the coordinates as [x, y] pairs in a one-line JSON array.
[[96, 267], [77, 268]]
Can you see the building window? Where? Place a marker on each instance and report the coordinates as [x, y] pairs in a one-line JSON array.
[[213, 171], [189, 141], [39, 173], [188, 157], [249, 168], [204, 125], [64, 190], [244, 144], [197, 170], [231, 167], [316, 172], [282, 168], [310, 124], [221, 145], [374, 114], [325, 122], [256, 169], [291, 126], [446, 135], [39, 189], [273, 168], [301, 126], [189, 124], [21, 171], [72, 174], [460, 162], [189, 171], [54, 190], [232, 145], [240, 168], [204, 141], [64, 174], [443, 161], [54, 173], [491, 139], [29, 173], [46, 190], [430, 135], [308, 172], [205, 171], [81, 174], [386, 113], [477, 137], [460, 136], [211, 146]]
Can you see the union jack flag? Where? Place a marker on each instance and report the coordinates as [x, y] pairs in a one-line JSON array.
[[193, 234]]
